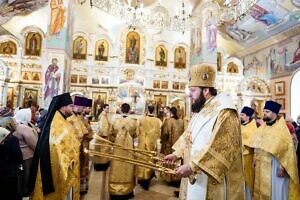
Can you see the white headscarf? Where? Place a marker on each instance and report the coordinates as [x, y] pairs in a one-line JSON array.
[[23, 116]]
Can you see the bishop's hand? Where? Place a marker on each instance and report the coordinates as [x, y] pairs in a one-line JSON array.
[[171, 158], [184, 171]]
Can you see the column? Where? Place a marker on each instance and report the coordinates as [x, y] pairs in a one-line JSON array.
[[203, 45], [58, 50]]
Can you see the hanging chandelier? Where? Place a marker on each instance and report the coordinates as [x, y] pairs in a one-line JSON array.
[[158, 16], [134, 15], [180, 22]]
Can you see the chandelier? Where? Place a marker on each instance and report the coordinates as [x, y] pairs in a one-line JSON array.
[[181, 18], [158, 16], [134, 15], [235, 10]]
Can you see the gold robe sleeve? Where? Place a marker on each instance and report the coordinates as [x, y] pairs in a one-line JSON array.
[[221, 154]]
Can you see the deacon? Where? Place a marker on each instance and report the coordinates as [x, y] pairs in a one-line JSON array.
[[54, 172], [149, 128], [248, 129], [211, 145], [276, 175], [121, 175]]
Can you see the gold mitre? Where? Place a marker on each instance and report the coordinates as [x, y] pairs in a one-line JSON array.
[[202, 75]]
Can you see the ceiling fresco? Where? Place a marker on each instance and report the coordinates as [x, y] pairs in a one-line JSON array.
[[265, 19], [10, 8]]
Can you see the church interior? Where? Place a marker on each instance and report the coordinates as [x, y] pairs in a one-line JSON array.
[[139, 52]]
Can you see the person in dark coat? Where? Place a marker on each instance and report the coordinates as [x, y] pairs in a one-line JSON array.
[[10, 167]]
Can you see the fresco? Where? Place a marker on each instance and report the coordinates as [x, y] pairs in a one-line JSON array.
[[265, 19], [10, 8], [277, 60]]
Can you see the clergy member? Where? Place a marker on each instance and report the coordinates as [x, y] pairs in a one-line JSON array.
[[121, 175], [276, 175], [54, 171], [174, 130], [81, 130], [149, 128], [248, 129], [87, 137], [211, 146], [101, 163]]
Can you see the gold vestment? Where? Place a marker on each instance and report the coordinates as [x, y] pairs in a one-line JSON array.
[[64, 155], [81, 131], [247, 131], [87, 137], [274, 141], [148, 132], [105, 132], [171, 131], [121, 175], [221, 161]]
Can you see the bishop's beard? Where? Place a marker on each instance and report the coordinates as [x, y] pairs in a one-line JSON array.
[[199, 103]]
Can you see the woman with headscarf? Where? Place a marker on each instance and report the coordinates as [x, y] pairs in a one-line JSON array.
[[27, 137], [11, 160]]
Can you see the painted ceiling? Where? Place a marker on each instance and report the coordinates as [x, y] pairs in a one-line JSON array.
[[265, 19], [10, 8]]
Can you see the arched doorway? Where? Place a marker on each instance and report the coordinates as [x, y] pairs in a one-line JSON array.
[[295, 95]]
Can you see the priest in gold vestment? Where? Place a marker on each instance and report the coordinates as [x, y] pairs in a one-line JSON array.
[[55, 166], [211, 146], [148, 132], [173, 128], [248, 129], [101, 163], [276, 175], [81, 130], [121, 175]]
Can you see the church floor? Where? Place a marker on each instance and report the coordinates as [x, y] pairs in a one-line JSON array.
[[158, 189]]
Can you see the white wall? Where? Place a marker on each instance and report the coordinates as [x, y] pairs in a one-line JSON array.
[[295, 95]]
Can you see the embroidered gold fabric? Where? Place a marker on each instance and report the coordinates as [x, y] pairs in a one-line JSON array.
[[80, 131], [274, 141], [121, 175], [222, 159], [64, 154], [84, 158], [172, 129], [77, 124], [148, 130], [105, 132]]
